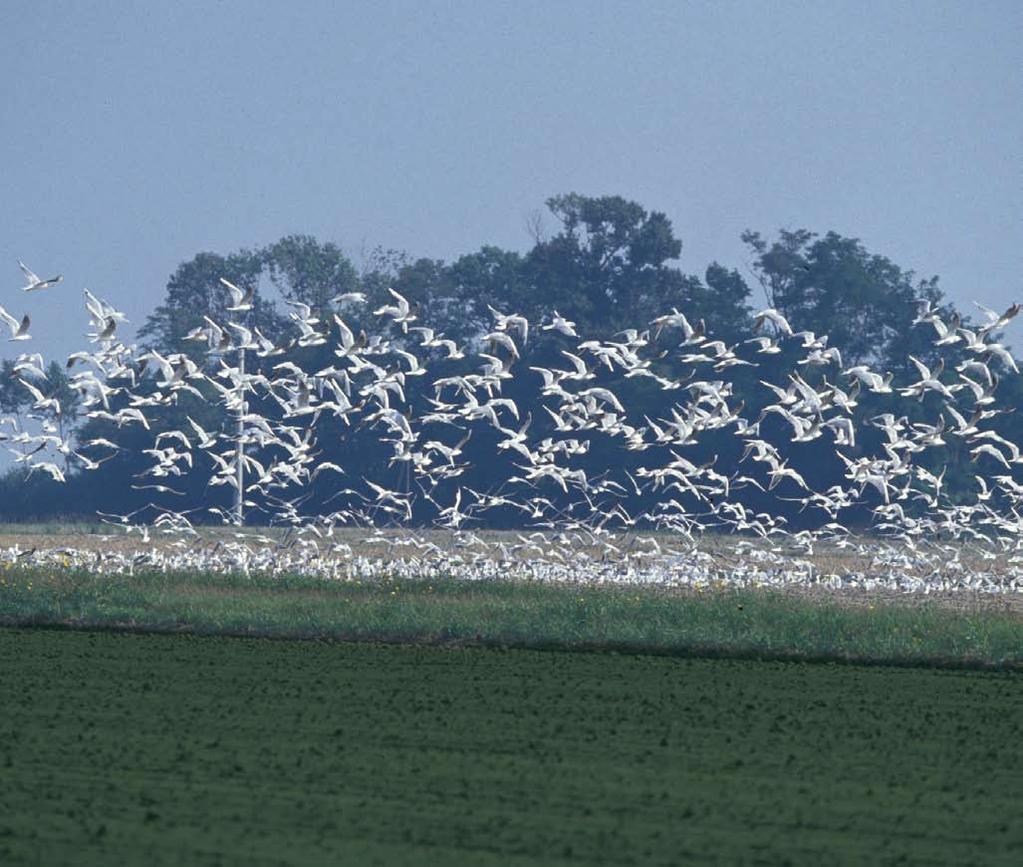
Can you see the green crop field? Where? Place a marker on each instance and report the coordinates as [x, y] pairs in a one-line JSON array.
[[119, 748], [956, 630]]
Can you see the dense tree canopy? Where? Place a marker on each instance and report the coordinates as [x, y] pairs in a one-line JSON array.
[[832, 285], [609, 264], [194, 291]]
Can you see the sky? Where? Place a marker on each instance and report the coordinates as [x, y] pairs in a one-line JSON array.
[[137, 135]]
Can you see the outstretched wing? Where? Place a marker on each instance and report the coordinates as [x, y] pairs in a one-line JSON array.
[[29, 274], [9, 320], [236, 294]]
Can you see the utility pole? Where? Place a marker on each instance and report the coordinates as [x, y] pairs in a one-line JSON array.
[[239, 494], [242, 301]]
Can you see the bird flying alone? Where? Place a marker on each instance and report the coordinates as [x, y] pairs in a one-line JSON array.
[[34, 281]]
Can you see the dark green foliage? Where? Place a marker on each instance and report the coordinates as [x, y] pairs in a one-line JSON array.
[[492, 277], [194, 291], [608, 265], [305, 270], [864, 302], [180, 750], [13, 395]]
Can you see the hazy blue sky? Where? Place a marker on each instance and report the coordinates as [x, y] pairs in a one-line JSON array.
[[135, 138]]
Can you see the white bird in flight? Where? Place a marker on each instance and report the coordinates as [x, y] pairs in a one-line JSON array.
[[771, 315], [241, 299], [19, 331], [34, 281]]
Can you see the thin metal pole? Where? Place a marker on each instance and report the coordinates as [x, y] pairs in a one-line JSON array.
[[239, 496]]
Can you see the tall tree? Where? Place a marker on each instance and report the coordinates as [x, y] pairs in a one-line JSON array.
[[63, 413], [194, 291], [609, 262], [720, 300], [13, 395], [832, 285], [309, 271], [490, 277]]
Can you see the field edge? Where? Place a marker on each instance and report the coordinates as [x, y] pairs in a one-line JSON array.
[[721, 623]]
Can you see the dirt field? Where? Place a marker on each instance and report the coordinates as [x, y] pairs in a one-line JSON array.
[[104, 539]]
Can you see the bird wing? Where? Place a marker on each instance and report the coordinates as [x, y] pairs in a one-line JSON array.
[[304, 310], [403, 305], [923, 369], [347, 338], [236, 294], [32, 277], [12, 323], [987, 311]]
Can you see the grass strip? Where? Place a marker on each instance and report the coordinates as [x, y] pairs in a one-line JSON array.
[[720, 622]]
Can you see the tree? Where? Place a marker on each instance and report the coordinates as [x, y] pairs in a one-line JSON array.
[[306, 270], [832, 285], [13, 396], [608, 264], [194, 291], [489, 277], [720, 300], [452, 298], [64, 413]]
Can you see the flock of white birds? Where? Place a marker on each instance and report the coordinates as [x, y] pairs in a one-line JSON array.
[[651, 515]]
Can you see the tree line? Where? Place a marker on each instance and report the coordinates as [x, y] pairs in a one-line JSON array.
[[608, 265]]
